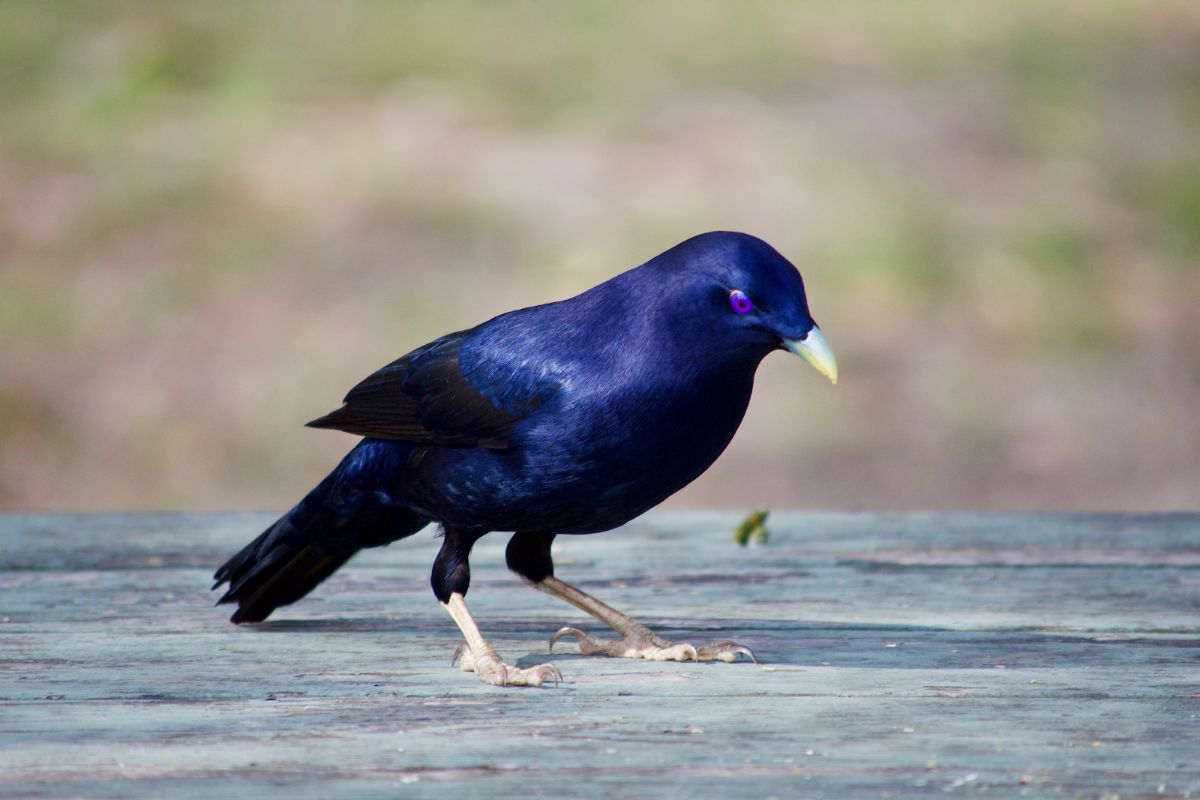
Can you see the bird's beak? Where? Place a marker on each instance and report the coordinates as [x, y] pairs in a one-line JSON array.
[[815, 350]]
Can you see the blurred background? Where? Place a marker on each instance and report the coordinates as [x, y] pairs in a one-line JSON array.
[[217, 217]]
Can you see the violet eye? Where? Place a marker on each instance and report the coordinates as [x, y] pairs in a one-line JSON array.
[[739, 302]]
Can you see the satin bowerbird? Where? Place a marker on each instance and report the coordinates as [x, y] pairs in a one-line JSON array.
[[571, 417]]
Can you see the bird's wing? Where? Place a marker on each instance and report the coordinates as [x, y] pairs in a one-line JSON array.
[[425, 397]]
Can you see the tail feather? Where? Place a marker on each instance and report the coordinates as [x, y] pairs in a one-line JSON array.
[[285, 574], [283, 565], [308, 544]]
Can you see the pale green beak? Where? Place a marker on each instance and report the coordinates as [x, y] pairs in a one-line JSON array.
[[815, 350]]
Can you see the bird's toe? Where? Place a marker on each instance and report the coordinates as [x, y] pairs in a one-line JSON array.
[[534, 676], [675, 652], [493, 671], [590, 645], [548, 672], [652, 648], [727, 651]]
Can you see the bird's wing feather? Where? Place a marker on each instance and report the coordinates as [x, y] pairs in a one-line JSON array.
[[426, 398]]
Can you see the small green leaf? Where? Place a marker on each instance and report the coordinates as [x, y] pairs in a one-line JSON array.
[[753, 529]]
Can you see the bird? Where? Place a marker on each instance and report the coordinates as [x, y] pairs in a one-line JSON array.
[[571, 417]]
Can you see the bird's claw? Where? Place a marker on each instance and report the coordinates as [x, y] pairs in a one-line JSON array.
[[642, 644], [459, 652], [550, 672], [726, 650], [490, 669], [590, 646], [567, 631]]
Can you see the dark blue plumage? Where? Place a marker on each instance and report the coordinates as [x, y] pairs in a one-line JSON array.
[[569, 417]]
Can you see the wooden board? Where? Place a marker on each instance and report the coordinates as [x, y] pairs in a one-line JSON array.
[[902, 655]]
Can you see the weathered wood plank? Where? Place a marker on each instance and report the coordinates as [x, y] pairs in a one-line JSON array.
[[903, 654]]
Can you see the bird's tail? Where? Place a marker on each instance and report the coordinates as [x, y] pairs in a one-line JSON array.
[[277, 568], [345, 513]]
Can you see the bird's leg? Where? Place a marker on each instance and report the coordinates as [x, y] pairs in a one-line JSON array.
[[637, 640], [528, 555], [480, 657], [451, 577]]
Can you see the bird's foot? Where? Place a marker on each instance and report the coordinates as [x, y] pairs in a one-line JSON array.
[[641, 642], [492, 670]]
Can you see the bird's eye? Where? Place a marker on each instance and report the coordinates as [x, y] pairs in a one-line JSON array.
[[739, 302]]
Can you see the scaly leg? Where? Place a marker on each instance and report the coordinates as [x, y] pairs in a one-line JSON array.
[[481, 658], [638, 641], [450, 579]]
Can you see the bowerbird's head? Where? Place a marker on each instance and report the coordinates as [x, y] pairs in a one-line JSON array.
[[735, 292]]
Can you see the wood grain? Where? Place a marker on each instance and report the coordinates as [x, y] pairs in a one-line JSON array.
[[902, 655]]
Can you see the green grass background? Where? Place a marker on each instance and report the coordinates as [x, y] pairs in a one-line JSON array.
[[216, 217]]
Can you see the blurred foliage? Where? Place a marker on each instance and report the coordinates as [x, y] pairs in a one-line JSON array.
[[216, 217], [753, 529]]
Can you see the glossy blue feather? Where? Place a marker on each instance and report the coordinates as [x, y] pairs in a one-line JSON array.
[[570, 417]]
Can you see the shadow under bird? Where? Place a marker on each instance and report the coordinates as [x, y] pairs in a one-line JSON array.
[[566, 418]]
